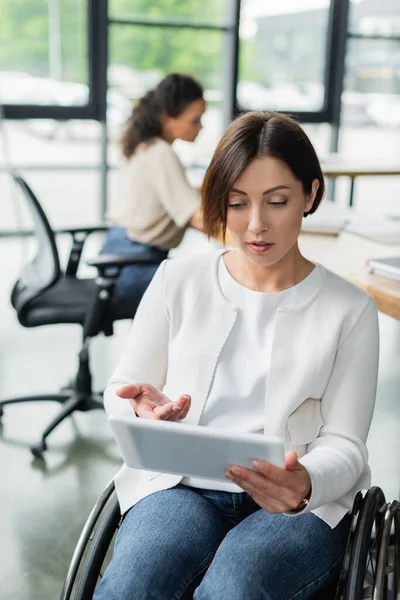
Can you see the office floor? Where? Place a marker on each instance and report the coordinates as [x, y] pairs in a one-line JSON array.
[[43, 504]]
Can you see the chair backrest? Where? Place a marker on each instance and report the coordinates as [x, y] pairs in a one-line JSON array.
[[43, 270]]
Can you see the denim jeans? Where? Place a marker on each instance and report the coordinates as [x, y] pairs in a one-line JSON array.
[[187, 543], [133, 280]]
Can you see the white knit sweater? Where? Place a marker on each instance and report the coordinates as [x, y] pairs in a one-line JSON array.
[[321, 384]]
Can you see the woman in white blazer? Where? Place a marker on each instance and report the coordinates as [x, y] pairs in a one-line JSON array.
[[257, 339]]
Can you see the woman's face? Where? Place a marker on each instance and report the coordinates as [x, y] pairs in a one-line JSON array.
[[265, 210], [187, 125]]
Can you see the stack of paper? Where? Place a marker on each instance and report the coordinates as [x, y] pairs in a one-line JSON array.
[[385, 232], [323, 224], [385, 267]]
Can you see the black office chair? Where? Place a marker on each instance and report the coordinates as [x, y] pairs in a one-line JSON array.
[[44, 295]]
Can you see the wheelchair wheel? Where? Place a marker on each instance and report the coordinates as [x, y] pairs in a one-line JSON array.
[[388, 567], [99, 544], [342, 582], [365, 546], [397, 552], [91, 550]]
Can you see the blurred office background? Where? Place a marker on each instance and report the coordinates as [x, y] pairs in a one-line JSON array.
[[69, 73], [70, 69]]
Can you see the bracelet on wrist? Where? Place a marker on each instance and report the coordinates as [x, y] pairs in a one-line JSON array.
[[302, 505]]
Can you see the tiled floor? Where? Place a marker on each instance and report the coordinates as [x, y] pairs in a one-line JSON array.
[[44, 504]]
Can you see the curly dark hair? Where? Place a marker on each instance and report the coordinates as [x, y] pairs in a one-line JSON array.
[[171, 96]]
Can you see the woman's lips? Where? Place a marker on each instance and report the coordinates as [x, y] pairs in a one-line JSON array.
[[259, 247]]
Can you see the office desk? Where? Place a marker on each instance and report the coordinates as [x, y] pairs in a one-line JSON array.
[[346, 255], [347, 169]]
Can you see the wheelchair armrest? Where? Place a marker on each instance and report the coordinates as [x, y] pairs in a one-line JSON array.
[[116, 262], [79, 236]]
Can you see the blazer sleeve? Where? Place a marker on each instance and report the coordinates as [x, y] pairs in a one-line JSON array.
[[337, 457], [145, 356]]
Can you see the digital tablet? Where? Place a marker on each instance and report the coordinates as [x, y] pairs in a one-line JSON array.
[[190, 450]]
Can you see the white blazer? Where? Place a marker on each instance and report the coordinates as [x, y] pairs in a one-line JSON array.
[[321, 383]]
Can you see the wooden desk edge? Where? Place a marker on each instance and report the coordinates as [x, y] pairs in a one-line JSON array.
[[390, 305]]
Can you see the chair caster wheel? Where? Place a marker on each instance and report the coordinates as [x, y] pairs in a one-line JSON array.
[[38, 450]]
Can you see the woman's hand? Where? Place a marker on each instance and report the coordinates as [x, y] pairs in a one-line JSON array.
[[149, 403], [197, 221], [274, 489]]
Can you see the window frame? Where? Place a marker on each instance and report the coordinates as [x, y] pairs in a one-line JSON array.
[[98, 24], [335, 50], [97, 67]]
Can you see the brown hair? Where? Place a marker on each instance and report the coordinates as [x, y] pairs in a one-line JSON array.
[[253, 135], [171, 96]]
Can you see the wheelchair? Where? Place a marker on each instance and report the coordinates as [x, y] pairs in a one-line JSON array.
[[370, 568]]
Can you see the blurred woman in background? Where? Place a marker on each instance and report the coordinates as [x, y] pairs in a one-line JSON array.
[[155, 202]]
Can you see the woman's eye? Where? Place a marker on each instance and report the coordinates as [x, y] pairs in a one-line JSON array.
[[280, 203], [237, 205]]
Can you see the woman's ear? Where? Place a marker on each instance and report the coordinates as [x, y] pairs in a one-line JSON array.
[[311, 198], [167, 127], [164, 120]]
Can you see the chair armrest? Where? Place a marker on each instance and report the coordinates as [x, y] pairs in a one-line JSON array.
[[79, 237], [77, 230], [122, 260], [109, 267], [116, 262]]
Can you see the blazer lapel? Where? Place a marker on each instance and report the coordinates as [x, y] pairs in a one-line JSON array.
[[218, 324]]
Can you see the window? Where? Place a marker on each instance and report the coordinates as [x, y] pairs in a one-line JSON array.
[[283, 54], [371, 95], [148, 40], [374, 17], [44, 50], [370, 116], [60, 159], [193, 12]]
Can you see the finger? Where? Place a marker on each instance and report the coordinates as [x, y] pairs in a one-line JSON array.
[[249, 479], [257, 495], [176, 416], [183, 400], [167, 411], [142, 391], [271, 472], [180, 409], [130, 391], [185, 403], [271, 498], [144, 411], [291, 460], [271, 505]]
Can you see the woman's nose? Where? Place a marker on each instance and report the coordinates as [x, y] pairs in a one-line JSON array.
[[257, 223]]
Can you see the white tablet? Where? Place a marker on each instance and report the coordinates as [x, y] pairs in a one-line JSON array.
[[190, 450]]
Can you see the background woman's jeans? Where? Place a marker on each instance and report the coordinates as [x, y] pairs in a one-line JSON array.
[[222, 545], [133, 280]]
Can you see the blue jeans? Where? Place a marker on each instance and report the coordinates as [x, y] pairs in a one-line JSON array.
[[133, 280], [219, 546]]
